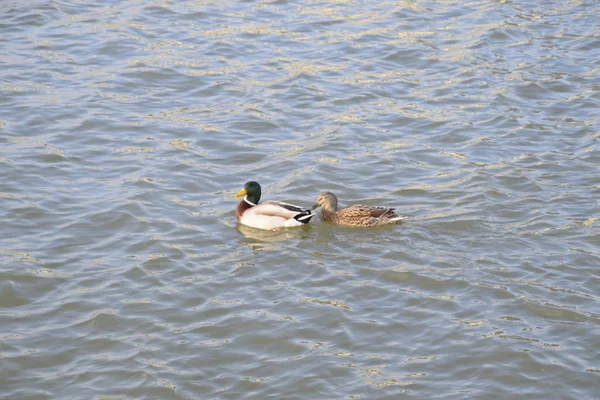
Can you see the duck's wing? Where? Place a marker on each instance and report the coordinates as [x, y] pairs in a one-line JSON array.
[[279, 209], [288, 206], [362, 211], [386, 212]]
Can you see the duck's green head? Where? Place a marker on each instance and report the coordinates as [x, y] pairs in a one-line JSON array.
[[251, 190]]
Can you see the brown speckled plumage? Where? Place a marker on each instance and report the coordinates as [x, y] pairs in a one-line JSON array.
[[355, 215]]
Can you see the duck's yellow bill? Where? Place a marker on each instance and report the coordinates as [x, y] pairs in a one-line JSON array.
[[240, 193]]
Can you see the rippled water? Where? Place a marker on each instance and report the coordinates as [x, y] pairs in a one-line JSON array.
[[126, 127]]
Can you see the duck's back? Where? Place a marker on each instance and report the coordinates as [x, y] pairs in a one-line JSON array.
[[362, 215]]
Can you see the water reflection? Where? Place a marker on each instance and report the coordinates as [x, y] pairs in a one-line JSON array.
[[272, 236]]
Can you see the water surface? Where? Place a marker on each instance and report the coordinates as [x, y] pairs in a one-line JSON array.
[[126, 128]]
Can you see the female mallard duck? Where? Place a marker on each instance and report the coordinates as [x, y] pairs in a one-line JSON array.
[[355, 215], [269, 214]]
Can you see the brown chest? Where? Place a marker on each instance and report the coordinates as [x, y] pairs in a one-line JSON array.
[[328, 216], [242, 207]]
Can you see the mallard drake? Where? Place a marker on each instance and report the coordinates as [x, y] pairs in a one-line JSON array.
[[355, 215], [269, 214]]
